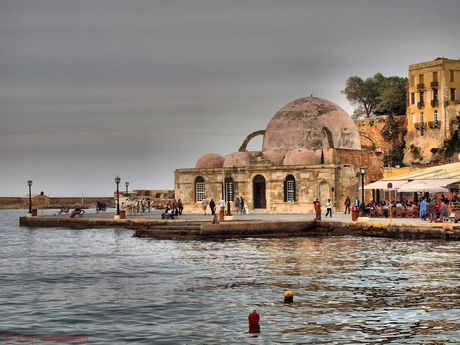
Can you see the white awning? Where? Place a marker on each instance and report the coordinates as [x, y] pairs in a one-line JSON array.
[[383, 184]]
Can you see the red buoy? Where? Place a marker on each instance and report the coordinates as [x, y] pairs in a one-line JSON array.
[[253, 318]]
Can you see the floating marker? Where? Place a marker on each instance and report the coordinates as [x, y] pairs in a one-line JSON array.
[[288, 297], [253, 318]]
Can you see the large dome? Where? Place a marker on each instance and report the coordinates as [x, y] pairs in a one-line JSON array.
[[311, 123]]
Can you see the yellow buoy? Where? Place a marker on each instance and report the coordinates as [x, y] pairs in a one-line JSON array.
[[288, 296]]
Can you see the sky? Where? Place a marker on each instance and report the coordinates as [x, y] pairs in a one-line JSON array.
[[92, 89]]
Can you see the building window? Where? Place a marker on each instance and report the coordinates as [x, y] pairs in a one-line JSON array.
[[199, 189], [435, 116], [289, 188], [422, 119], [414, 119], [452, 94], [435, 76], [412, 98], [422, 97], [420, 79], [229, 189], [435, 95], [452, 75]]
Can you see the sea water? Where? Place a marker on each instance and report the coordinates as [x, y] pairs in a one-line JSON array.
[[103, 286]]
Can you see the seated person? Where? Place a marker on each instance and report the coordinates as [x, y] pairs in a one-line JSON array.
[[444, 213], [215, 219], [76, 211], [167, 214]]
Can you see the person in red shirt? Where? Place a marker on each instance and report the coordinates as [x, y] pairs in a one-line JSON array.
[[317, 205]]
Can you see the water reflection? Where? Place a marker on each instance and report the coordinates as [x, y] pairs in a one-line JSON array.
[[117, 289], [347, 289]]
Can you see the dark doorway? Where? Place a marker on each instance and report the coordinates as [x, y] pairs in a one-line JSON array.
[[258, 191]]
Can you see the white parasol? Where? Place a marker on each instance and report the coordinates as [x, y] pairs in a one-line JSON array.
[[420, 186]]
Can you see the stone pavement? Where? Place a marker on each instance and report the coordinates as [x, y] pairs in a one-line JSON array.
[[252, 216]]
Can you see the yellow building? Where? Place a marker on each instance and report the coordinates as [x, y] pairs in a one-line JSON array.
[[433, 111]]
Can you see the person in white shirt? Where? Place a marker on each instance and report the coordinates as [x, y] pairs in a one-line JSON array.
[[329, 208], [222, 205]]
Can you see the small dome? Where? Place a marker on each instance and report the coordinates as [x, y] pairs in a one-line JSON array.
[[210, 160], [301, 157], [237, 159], [312, 123], [274, 157]]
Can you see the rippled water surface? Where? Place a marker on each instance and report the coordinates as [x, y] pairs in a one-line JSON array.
[[111, 288]]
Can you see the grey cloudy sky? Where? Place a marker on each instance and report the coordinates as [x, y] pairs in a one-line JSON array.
[[90, 89]]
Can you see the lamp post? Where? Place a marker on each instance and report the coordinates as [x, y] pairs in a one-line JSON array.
[[117, 181], [227, 188], [362, 170], [29, 183], [126, 184]]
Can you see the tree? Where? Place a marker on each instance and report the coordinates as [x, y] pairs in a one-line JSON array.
[[376, 95], [392, 96]]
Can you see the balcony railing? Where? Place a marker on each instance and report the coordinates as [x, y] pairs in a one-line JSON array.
[[434, 103], [417, 125], [420, 87], [420, 105], [434, 124], [434, 85]]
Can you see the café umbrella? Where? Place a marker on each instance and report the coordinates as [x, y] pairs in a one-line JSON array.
[[416, 186]]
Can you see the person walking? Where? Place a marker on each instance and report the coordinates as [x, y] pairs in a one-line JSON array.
[[237, 205], [222, 204], [423, 207], [347, 205], [180, 206], [212, 206], [204, 204], [329, 208], [243, 211], [356, 204]]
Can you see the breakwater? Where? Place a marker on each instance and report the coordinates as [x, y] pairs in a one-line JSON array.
[[193, 229]]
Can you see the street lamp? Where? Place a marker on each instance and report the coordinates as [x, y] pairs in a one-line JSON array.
[[126, 184], [117, 181], [362, 170], [29, 183], [227, 185]]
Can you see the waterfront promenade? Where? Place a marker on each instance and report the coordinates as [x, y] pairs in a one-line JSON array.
[[255, 224]]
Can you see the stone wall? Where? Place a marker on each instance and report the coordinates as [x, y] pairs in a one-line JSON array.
[[371, 132]]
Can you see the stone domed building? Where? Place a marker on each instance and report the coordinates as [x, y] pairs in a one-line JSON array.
[[311, 149]]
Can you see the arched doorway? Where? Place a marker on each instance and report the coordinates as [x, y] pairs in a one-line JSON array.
[[324, 192], [258, 192]]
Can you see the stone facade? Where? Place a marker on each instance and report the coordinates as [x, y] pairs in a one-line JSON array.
[[434, 105], [291, 172]]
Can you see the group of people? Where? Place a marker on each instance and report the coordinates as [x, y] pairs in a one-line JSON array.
[[173, 209], [317, 207], [432, 209], [239, 205]]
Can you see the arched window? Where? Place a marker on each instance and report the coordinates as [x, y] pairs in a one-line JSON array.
[[199, 189], [289, 188]]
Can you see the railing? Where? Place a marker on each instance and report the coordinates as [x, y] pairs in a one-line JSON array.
[[434, 84], [434, 124], [434, 103], [420, 87], [420, 105]]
